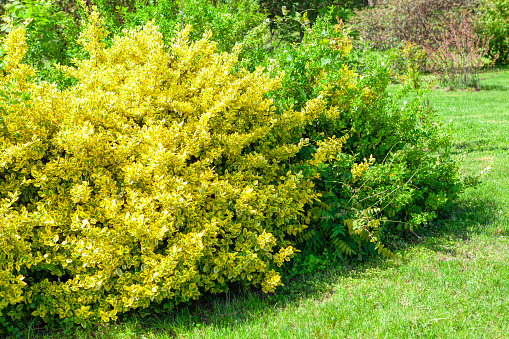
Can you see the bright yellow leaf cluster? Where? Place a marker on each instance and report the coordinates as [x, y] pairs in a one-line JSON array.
[[359, 169], [159, 175]]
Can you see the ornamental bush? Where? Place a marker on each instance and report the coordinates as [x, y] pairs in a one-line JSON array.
[[395, 171], [51, 35], [165, 170], [160, 174]]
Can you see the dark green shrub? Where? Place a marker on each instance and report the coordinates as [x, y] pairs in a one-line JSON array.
[[342, 8], [290, 31]]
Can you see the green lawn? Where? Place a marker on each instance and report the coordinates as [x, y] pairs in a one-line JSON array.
[[449, 281]]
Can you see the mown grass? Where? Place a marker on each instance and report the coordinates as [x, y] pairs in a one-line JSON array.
[[448, 281]]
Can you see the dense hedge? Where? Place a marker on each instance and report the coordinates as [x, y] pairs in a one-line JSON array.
[[166, 171], [159, 175], [494, 22]]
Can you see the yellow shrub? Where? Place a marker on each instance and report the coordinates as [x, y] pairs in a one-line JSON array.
[[159, 175]]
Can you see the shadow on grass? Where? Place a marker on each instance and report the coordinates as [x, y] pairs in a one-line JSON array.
[[225, 310], [470, 146], [219, 311], [469, 215], [476, 146], [494, 87], [465, 218], [480, 145]]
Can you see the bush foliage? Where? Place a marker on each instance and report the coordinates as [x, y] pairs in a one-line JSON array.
[[164, 169], [409, 175], [51, 35], [457, 35], [158, 175], [494, 23], [391, 22]]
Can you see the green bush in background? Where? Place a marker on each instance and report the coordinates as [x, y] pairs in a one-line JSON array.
[[494, 22]]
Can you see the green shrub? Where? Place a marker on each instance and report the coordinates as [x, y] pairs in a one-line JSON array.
[[402, 153], [307, 65], [314, 8], [494, 23], [232, 23], [51, 35]]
